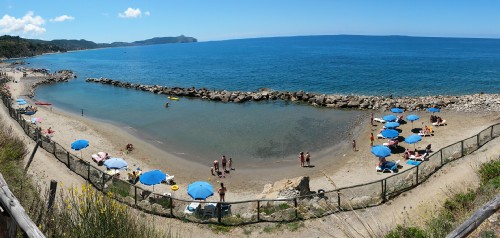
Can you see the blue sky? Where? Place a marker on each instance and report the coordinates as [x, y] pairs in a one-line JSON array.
[[126, 20]]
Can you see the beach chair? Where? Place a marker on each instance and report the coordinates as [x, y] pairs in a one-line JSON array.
[[391, 143], [388, 167], [442, 123], [419, 158], [379, 120], [209, 210], [193, 207]]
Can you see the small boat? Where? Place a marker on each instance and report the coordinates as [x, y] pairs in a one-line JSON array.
[[43, 103], [173, 98]]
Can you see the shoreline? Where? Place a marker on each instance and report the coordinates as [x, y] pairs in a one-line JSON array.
[[340, 164]]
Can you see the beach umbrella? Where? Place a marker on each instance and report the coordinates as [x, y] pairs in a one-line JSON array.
[[397, 110], [389, 118], [413, 139], [391, 125], [412, 118], [22, 103], [433, 109], [200, 190], [20, 100], [152, 177], [389, 133], [115, 163], [78, 145], [381, 151]]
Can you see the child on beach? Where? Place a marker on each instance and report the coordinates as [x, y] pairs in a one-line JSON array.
[[371, 139], [353, 145], [216, 166], [308, 159], [224, 162], [231, 163]]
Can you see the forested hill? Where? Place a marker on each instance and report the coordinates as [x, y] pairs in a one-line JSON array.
[[14, 46]]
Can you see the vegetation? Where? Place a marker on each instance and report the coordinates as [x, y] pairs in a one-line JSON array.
[[458, 207], [83, 212], [14, 46]]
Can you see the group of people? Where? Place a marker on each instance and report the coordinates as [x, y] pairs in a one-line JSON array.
[[408, 153], [227, 166], [305, 158]]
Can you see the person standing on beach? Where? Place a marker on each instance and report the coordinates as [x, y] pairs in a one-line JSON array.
[[308, 159], [222, 192], [353, 145], [231, 164], [302, 159], [224, 162], [216, 166], [371, 119], [371, 139]]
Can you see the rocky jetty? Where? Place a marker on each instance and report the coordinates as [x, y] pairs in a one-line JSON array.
[[59, 76], [464, 103]]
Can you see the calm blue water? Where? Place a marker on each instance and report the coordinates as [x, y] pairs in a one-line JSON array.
[[202, 130]]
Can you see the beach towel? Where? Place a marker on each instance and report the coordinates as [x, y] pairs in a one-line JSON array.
[[413, 162]]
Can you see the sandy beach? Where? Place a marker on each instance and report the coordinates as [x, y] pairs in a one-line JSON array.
[[338, 164]]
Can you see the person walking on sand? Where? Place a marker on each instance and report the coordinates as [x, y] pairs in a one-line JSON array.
[[230, 164], [308, 159], [222, 192], [353, 145], [302, 159], [371, 139]]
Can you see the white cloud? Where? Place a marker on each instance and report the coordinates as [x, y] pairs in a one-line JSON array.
[[62, 18], [131, 13], [29, 23]]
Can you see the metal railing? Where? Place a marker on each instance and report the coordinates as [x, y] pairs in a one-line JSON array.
[[260, 210]]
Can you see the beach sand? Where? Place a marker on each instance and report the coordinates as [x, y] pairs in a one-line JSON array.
[[338, 164]]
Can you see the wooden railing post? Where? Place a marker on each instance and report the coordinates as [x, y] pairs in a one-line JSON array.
[[296, 208], [67, 154], [462, 145], [258, 210], [135, 195], [417, 174], [441, 152], [338, 199], [383, 190], [219, 212], [171, 206]]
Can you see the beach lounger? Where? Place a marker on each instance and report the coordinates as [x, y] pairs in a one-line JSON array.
[[389, 166], [379, 120], [391, 143], [419, 158], [194, 207], [209, 210], [425, 134]]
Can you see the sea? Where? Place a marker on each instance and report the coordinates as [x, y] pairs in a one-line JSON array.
[[201, 130]]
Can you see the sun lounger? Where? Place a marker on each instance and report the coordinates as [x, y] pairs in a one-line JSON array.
[[389, 166], [419, 158], [391, 143], [192, 208], [209, 210], [443, 123], [379, 120], [421, 133]]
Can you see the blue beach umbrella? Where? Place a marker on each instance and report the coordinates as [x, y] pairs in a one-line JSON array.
[[152, 177], [390, 118], [412, 118], [413, 139], [115, 163], [397, 110], [200, 190], [20, 100], [433, 109], [79, 145], [391, 125], [381, 151], [22, 103], [389, 133]]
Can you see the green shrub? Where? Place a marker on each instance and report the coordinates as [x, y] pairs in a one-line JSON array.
[[489, 171], [440, 225], [460, 201], [407, 232]]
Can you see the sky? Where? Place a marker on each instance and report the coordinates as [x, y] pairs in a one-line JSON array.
[[107, 21]]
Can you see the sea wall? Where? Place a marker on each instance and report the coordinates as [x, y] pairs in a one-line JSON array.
[[59, 76], [465, 103]]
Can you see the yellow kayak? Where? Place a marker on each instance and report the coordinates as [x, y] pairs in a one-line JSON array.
[[173, 98]]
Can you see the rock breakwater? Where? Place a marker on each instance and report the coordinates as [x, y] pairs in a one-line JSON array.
[[59, 76], [464, 103]]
